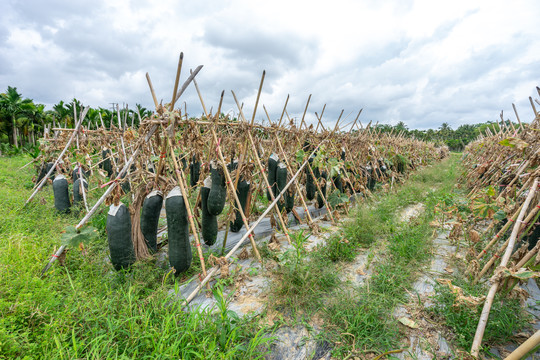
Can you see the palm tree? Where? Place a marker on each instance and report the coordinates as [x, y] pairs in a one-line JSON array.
[[400, 126], [39, 117], [16, 107], [61, 112], [74, 105], [144, 112]]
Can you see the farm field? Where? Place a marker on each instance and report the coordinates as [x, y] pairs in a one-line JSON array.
[[165, 235], [346, 180], [85, 309]]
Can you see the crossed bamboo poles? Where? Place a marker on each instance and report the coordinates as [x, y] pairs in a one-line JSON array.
[[166, 125], [494, 165]]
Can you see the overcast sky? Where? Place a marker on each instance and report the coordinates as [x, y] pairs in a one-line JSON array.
[[421, 62]]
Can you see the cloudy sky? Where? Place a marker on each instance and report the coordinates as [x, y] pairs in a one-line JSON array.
[[423, 62]]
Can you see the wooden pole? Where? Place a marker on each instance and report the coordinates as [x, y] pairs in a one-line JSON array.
[[319, 119], [533, 107], [258, 96], [151, 91], [289, 169], [337, 122], [305, 111], [178, 70], [355, 120], [475, 349], [81, 186], [283, 112], [188, 80], [261, 170], [525, 348], [249, 231], [517, 116], [46, 177]]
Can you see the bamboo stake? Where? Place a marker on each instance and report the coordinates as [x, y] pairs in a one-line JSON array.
[[533, 107], [82, 187], [188, 80], [500, 233], [355, 120], [228, 176], [305, 111], [181, 180], [475, 349], [249, 231], [283, 112], [178, 70], [525, 348], [258, 96], [319, 119], [261, 170], [517, 116], [46, 177], [33, 161], [102, 123], [337, 122], [75, 118], [151, 91], [289, 169]]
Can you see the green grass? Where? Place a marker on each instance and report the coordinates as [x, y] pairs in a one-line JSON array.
[[309, 284], [506, 317], [87, 310], [361, 316], [301, 282]]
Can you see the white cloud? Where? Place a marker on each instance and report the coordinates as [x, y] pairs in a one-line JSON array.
[[419, 61]]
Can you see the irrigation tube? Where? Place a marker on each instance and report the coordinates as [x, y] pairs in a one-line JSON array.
[[250, 230]]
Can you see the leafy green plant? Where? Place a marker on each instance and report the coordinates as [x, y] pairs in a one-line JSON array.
[[337, 198], [485, 205], [73, 237]]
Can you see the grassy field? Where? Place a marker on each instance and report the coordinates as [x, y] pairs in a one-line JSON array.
[[360, 316], [85, 309]]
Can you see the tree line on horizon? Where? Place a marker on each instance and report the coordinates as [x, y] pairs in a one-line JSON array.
[[22, 122], [456, 140]]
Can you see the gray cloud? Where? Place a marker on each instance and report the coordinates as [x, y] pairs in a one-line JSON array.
[[99, 53]]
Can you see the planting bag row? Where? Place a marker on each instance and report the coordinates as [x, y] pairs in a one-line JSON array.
[[178, 230], [209, 223], [151, 210], [242, 192], [61, 194], [119, 237]]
